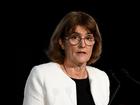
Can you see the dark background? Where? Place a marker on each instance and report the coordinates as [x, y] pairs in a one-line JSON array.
[[118, 22]]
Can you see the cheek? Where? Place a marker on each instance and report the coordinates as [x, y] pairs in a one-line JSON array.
[[90, 50], [69, 50]]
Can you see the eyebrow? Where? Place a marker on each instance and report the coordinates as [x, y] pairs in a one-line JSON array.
[[80, 33], [87, 34]]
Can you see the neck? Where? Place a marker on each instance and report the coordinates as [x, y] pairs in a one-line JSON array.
[[74, 70], [75, 66]]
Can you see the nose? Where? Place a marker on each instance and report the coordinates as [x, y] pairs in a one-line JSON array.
[[82, 43]]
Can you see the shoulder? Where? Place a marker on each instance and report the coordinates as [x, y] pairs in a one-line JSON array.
[[95, 72], [43, 69], [46, 66], [92, 69]]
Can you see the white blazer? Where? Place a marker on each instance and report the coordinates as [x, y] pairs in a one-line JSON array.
[[47, 84]]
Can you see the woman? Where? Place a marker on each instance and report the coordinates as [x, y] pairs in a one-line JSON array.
[[68, 79]]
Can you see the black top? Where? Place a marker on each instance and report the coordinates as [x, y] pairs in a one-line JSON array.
[[84, 96]]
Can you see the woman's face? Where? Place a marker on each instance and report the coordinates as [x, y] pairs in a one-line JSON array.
[[81, 52]]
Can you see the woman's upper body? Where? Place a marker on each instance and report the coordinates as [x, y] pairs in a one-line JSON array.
[[75, 44], [47, 84]]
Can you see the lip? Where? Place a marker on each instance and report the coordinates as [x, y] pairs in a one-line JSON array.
[[81, 52]]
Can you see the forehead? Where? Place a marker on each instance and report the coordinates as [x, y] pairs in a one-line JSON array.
[[81, 29]]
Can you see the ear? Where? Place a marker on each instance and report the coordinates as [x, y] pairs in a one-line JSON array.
[[61, 44]]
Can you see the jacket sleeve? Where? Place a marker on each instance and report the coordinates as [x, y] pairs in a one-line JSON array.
[[33, 93]]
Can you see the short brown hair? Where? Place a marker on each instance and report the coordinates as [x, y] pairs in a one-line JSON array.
[[68, 25]]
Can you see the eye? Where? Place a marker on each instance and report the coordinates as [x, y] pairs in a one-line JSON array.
[[90, 38], [74, 36]]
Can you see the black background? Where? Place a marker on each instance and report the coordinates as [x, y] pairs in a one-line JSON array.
[[118, 22]]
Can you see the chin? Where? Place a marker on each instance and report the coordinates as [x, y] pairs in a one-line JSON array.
[[82, 61]]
